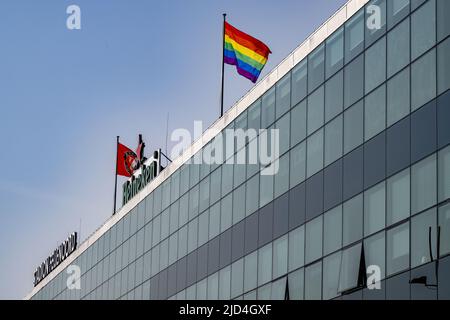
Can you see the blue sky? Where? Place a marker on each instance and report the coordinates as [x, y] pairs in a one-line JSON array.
[[65, 95]]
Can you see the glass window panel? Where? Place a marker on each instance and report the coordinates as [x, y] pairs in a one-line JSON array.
[[268, 108], [420, 232], [353, 127], [315, 153], [164, 254], [252, 195], [250, 266], [444, 174], [375, 28], [299, 81], [184, 209], [283, 95], [354, 81], [265, 292], [352, 220], [215, 185], [335, 52], [375, 112], [331, 265], [282, 176], [280, 257], [398, 97], [182, 241], [296, 248], [313, 240], [398, 48], [203, 224], [201, 289], [193, 202], [238, 204], [374, 209], [334, 96], [204, 194], [375, 57], [443, 66], [397, 258], [423, 29], [283, 125], [350, 266], [423, 80], [192, 235], [254, 115], [297, 164], [184, 179], [237, 278], [165, 217], [313, 282], [374, 251], [265, 189], [443, 23], [214, 221], [296, 285], [279, 289], [175, 186], [315, 110], [444, 223], [174, 217], [265, 264], [239, 170], [227, 178], [332, 230], [226, 212], [396, 10], [333, 140], [398, 197], [173, 248], [166, 194], [156, 231], [225, 283], [423, 184], [316, 66], [354, 36], [298, 123]]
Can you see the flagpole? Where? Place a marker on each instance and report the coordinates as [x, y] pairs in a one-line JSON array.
[[115, 183], [223, 64]]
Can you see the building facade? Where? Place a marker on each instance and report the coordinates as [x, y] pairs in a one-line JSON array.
[[363, 187]]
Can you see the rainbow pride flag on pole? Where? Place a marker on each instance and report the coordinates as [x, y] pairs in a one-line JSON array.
[[248, 54]]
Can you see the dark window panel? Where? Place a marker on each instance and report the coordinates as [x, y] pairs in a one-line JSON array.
[[191, 275], [237, 241], [353, 173], [213, 255], [398, 288], [332, 185], [202, 262], [251, 233], [353, 296], [181, 273], [398, 146], [281, 216], [443, 116], [444, 279], [297, 197], [162, 286], [314, 196], [225, 248], [375, 160], [423, 131], [172, 280], [375, 294], [420, 291], [265, 224], [154, 284]]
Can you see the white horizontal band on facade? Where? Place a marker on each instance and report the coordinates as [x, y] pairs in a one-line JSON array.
[[313, 41]]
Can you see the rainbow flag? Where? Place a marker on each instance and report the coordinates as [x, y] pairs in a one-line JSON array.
[[248, 54]]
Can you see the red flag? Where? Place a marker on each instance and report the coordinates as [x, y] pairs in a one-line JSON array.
[[127, 161]]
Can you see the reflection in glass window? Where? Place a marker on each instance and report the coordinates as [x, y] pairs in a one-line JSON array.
[[397, 249], [296, 248], [316, 67], [333, 140], [423, 80], [374, 251], [353, 127], [398, 97], [313, 282], [297, 164], [423, 184], [265, 264], [374, 209], [299, 81], [350, 268], [313, 240], [280, 257], [315, 153], [354, 36], [375, 57], [315, 110], [354, 81], [352, 220], [296, 285], [268, 108], [335, 52], [375, 112], [423, 28], [283, 95], [444, 174], [332, 231], [420, 241], [396, 10], [331, 266], [298, 123], [398, 197], [334, 96], [444, 223], [398, 48], [443, 66], [282, 176]]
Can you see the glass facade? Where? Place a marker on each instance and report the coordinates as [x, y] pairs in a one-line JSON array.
[[363, 180]]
